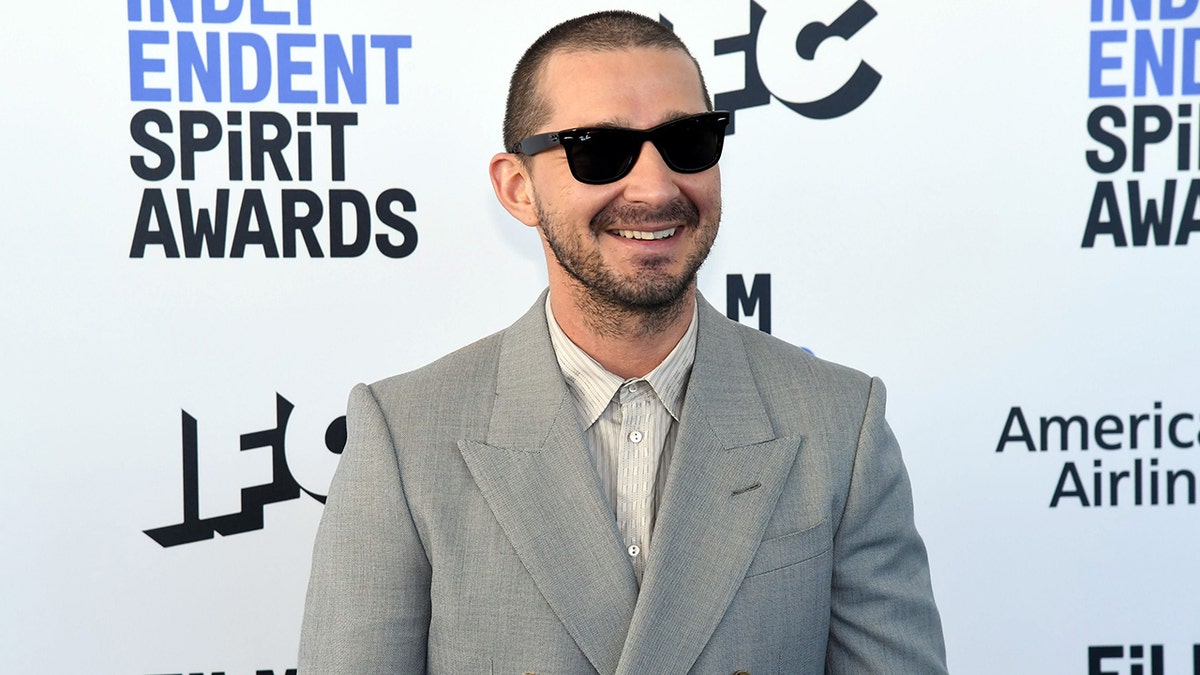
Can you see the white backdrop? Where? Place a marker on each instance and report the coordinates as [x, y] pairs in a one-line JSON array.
[[932, 236]]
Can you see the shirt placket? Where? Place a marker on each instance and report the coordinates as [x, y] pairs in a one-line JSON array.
[[637, 467]]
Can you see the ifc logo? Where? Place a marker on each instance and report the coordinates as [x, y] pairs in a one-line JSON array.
[[780, 56]]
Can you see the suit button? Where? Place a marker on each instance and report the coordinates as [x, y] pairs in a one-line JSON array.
[[741, 672]]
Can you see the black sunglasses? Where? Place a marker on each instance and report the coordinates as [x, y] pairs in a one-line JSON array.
[[599, 155]]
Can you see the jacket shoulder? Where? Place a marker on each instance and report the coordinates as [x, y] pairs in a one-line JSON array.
[[774, 360], [468, 369]]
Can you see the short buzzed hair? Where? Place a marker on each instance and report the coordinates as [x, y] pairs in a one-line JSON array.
[[613, 30]]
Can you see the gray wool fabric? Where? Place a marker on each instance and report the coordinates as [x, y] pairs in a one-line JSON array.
[[466, 530]]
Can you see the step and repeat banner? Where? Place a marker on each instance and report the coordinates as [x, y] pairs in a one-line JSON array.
[[221, 214]]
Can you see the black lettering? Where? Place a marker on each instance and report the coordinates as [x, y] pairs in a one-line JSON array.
[[1172, 476], [1007, 436], [190, 144], [141, 135], [253, 209], [1158, 425], [337, 123], [756, 301], [1104, 199], [861, 84], [1106, 138], [1137, 484], [1189, 222], [1184, 149], [1069, 472], [754, 92], [1143, 135], [192, 528], [283, 485], [1134, 422], [154, 206], [1107, 426], [1114, 482], [234, 118], [1064, 429], [203, 230], [1097, 654], [261, 147], [304, 145], [305, 224], [1172, 431], [338, 247], [393, 220], [1151, 219]]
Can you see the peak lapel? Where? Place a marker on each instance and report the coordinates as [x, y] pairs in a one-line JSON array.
[[712, 517], [535, 473]]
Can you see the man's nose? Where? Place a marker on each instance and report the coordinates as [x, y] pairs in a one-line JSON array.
[[650, 181]]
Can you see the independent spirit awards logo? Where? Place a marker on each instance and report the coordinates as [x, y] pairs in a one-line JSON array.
[[200, 63], [1143, 74]]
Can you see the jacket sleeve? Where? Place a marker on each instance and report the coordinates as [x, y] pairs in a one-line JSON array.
[[883, 616], [367, 609]]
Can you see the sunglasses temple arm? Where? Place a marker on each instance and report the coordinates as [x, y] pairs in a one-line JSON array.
[[535, 144]]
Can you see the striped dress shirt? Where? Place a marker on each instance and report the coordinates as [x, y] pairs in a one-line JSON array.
[[630, 429]]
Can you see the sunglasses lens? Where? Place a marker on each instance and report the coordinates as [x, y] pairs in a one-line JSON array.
[[688, 145], [600, 156], [692, 145]]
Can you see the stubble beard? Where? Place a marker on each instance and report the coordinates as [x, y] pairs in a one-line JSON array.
[[616, 305]]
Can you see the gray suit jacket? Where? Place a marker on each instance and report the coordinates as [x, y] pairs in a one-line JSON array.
[[466, 530]]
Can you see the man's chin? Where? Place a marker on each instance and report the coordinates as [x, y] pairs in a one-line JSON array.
[[650, 297]]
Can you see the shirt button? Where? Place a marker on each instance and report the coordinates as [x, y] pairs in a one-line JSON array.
[[633, 388], [634, 551], [635, 436]]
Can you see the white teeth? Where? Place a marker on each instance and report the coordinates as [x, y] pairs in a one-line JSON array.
[[637, 234]]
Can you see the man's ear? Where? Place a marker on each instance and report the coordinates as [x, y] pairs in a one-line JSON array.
[[514, 189]]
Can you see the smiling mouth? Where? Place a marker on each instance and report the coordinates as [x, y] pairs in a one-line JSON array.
[[647, 236]]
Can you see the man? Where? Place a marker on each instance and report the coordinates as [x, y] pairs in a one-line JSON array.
[[623, 481]]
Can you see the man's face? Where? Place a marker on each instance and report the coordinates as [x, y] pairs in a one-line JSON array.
[[636, 242]]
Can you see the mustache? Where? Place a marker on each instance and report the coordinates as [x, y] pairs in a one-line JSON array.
[[678, 211]]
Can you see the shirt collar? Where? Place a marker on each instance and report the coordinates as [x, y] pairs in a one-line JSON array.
[[593, 387]]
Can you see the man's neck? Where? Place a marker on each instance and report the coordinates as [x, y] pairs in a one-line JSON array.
[[628, 343]]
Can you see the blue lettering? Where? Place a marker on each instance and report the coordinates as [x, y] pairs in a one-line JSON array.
[[1190, 85], [260, 15], [210, 14], [1141, 9], [336, 64], [1100, 63], [1160, 66], [391, 46], [207, 68], [238, 93], [181, 8], [139, 65], [1169, 12], [224, 11], [289, 68]]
